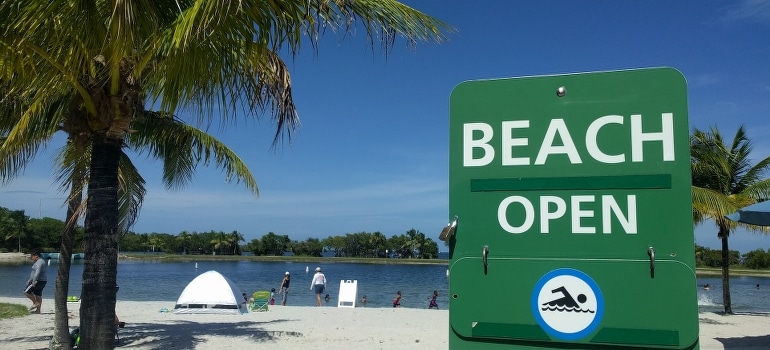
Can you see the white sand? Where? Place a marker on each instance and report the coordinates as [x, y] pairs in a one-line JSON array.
[[14, 257], [290, 327], [300, 327]]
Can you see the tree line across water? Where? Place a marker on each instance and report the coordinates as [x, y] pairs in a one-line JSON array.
[[758, 259], [22, 233]]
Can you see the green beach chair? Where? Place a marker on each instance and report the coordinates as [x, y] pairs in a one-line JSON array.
[[261, 301]]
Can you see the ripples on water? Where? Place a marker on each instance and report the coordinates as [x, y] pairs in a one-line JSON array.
[[149, 281], [744, 294]]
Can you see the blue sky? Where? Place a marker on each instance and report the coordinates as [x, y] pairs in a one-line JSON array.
[[372, 151]]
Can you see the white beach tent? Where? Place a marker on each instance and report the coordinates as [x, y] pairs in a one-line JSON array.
[[209, 293]]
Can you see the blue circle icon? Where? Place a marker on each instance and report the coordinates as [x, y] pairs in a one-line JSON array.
[[567, 304]]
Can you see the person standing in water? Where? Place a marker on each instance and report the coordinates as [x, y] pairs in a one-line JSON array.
[[284, 290], [433, 302], [318, 284]]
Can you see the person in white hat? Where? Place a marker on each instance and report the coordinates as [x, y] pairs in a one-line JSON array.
[[319, 284], [284, 290]]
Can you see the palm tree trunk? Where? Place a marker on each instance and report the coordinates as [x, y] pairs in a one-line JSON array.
[[726, 271], [97, 310], [61, 339]]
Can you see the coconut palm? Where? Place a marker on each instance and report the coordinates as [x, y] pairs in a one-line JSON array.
[[211, 57], [236, 238], [724, 180], [220, 242], [74, 161], [60, 339], [377, 241], [184, 238], [20, 221]]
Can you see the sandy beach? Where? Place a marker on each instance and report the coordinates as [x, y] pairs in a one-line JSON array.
[[14, 257], [300, 327]]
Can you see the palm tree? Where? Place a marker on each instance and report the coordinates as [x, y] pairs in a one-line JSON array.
[[413, 242], [61, 329], [236, 238], [220, 241], [20, 221], [133, 54], [185, 238], [74, 162], [378, 242], [723, 180]]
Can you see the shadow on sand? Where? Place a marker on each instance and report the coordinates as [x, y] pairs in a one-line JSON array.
[[174, 335], [761, 342], [187, 334]]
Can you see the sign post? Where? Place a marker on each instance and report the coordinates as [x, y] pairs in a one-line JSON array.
[[574, 218]]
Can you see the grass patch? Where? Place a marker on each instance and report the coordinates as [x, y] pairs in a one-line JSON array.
[[734, 271], [12, 310]]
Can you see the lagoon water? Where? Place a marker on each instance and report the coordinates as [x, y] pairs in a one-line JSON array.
[[161, 281], [164, 281], [745, 296]]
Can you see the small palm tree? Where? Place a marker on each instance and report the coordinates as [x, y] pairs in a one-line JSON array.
[[236, 238], [184, 238], [220, 242], [378, 241], [724, 180], [19, 223]]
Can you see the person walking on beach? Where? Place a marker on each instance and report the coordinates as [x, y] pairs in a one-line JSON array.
[[397, 300], [36, 282], [318, 284], [284, 290]]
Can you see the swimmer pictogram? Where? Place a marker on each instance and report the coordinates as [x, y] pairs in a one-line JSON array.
[[566, 303]]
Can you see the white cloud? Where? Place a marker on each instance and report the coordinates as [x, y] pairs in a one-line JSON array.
[[704, 80], [749, 10]]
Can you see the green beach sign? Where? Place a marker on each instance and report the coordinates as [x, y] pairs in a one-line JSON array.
[[573, 225]]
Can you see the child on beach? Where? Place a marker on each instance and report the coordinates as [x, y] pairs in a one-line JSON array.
[[397, 300], [245, 303], [272, 296], [433, 303]]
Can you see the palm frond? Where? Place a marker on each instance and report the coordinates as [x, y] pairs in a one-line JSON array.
[[27, 128], [724, 179], [73, 173], [131, 193], [236, 44], [182, 147]]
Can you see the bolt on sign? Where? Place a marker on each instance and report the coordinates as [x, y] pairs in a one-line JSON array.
[[572, 213]]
